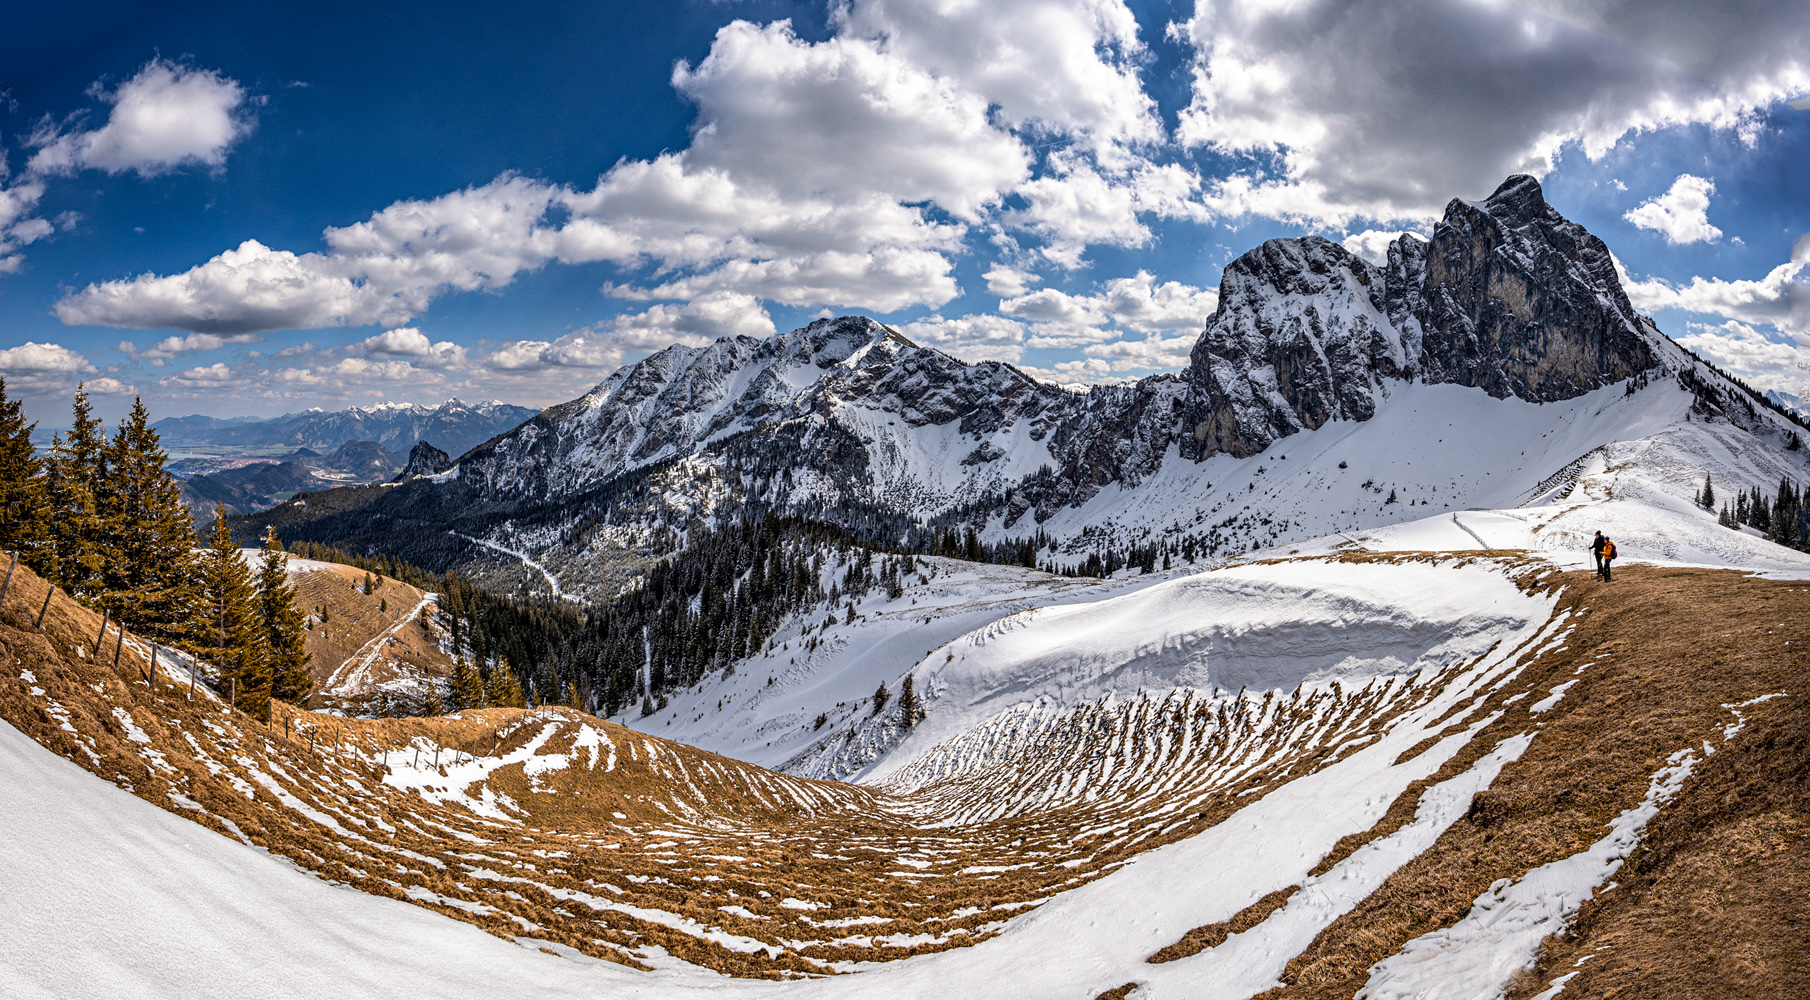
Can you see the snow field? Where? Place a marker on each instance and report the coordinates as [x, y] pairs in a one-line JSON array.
[[1266, 627], [1091, 937], [1446, 449]]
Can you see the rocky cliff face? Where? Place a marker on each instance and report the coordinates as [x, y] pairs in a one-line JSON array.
[[1516, 300], [424, 460], [1301, 337], [1508, 297]]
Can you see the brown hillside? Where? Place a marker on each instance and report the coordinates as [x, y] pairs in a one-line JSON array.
[[369, 644]]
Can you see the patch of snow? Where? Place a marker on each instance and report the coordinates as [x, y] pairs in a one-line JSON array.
[[1502, 933]]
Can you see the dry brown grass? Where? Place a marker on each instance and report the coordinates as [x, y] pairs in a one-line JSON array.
[[1213, 935], [354, 621], [1679, 644]]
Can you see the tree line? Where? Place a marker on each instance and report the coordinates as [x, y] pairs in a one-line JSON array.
[[1782, 516], [102, 518]]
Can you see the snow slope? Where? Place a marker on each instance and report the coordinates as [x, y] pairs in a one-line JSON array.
[[764, 711], [1439, 449], [1261, 627], [127, 899]]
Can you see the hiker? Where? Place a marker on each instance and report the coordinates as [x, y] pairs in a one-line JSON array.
[[1596, 549], [1608, 556]]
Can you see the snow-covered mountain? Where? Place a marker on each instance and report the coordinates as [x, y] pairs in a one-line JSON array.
[[454, 425], [1462, 373]]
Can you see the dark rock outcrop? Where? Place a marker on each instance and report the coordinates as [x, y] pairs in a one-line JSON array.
[[425, 460]]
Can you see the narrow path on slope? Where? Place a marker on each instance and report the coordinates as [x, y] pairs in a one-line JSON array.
[[375, 644], [551, 580]]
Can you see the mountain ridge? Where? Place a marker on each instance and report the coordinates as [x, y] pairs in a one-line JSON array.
[[846, 420], [455, 425]]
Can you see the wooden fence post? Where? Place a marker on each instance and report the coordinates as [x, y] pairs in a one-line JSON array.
[[48, 591], [105, 612], [119, 643], [9, 577], [191, 678], [153, 666]]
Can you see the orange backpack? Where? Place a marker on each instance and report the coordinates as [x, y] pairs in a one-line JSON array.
[[1608, 549]]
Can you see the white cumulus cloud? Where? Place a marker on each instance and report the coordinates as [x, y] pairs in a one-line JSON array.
[[975, 337], [1768, 300], [408, 342], [35, 358], [1138, 304], [166, 116], [169, 347], [1762, 360], [1681, 215], [1373, 244]]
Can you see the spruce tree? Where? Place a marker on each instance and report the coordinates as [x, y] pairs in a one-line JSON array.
[[502, 689], [909, 709], [467, 687], [24, 521], [147, 536], [289, 676], [77, 469], [235, 638], [1707, 500]]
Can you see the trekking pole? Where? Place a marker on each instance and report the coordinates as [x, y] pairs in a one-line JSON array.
[[9, 577]]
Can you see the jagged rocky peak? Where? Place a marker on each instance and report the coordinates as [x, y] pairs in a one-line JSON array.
[[425, 460], [1301, 337], [1508, 296], [1518, 300]]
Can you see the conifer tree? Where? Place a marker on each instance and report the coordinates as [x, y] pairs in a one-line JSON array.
[[289, 676], [502, 690], [24, 522], [147, 536], [467, 686], [235, 639], [1707, 499], [77, 468], [909, 710], [881, 697]]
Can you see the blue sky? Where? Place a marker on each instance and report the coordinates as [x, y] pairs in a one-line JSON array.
[[257, 208]]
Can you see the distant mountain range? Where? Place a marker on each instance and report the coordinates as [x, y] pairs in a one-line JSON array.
[[454, 426]]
